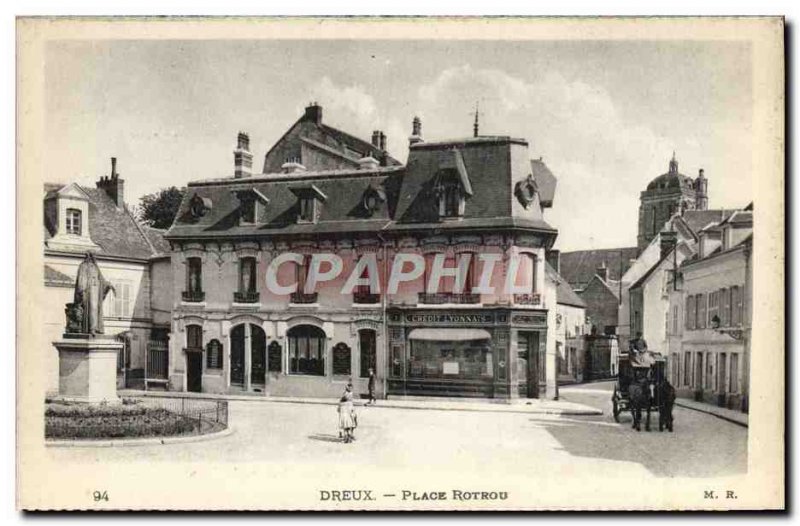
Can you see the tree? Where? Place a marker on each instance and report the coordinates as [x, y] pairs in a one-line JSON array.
[[158, 209]]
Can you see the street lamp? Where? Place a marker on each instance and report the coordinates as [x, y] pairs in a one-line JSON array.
[[737, 333]]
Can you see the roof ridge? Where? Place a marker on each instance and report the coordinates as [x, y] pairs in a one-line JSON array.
[[139, 228]]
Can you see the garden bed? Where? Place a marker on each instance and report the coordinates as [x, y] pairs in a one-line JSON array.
[[131, 419]]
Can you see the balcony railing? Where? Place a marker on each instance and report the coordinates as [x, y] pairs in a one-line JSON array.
[[527, 299], [301, 298], [245, 297], [449, 297], [194, 296], [366, 298]]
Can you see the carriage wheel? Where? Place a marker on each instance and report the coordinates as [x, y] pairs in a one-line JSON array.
[[616, 410]]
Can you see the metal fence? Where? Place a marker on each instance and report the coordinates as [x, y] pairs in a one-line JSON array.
[[136, 418]]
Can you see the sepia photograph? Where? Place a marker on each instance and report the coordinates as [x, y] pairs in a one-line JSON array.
[[400, 263]]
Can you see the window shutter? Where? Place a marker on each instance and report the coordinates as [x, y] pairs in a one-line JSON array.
[[724, 315], [690, 312]]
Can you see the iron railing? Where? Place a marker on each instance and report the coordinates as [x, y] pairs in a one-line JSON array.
[[136, 418], [157, 360], [527, 299], [246, 297], [194, 296], [366, 298], [449, 297], [303, 298]]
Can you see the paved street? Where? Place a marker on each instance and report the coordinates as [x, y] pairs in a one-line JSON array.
[[401, 439]]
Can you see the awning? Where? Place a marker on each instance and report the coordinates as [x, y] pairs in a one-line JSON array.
[[449, 335]]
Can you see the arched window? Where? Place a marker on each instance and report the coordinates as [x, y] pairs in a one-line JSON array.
[[306, 350], [214, 355], [341, 359], [194, 338]]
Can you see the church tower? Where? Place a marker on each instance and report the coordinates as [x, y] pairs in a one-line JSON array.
[[667, 194], [701, 192]]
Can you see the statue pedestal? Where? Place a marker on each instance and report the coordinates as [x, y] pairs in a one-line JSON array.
[[87, 368]]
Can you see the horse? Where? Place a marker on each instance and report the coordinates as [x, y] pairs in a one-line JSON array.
[[640, 394], [666, 399]]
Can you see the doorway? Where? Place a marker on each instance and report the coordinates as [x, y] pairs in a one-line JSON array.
[[258, 356], [194, 372], [529, 366], [194, 358], [237, 355]]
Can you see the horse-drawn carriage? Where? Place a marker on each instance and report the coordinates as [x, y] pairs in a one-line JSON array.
[[642, 385]]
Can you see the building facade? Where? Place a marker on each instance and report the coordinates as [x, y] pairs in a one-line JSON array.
[[131, 256], [434, 271], [710, 316]]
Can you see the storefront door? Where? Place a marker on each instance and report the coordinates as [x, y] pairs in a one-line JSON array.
[[258, 355], [528, 364], [237, 356]]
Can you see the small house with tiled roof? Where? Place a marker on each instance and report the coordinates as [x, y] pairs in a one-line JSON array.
[[80, 219], [414, 258]]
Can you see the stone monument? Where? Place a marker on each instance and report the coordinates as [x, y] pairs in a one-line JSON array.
[[87, 358]]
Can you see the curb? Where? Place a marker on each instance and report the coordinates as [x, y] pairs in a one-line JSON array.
[[712, 413], [491, 408], [132, 442]]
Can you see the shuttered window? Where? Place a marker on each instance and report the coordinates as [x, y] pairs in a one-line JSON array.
[[701, 311], [690, 312]]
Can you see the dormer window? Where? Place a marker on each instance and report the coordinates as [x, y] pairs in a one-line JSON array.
[[250, 203], [74, 219], [309, 202], [451, 195], [307, 210], [373, 199], [452, 187]]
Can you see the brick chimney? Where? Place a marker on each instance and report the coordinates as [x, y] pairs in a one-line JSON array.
[[382, 142], [113, 185], [376, 138], [602, 271], [553, 258], [668, 242], [313, 113], [242, 158], [416, 131]]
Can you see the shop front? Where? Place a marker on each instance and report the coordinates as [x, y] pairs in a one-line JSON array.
[[465, 354]]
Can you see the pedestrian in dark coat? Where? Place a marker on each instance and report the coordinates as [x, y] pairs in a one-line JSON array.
[[371, 387]]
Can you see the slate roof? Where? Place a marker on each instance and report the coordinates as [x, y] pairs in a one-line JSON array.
[[358, 144], [545, 180], [484, 166], [579, 267], [113, 229], [564, 293], [699, 219], [55, 278]]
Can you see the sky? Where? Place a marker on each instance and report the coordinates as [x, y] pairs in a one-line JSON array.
[[604, 116]]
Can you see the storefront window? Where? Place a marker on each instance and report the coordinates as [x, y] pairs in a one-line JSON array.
[[465, 359], [306, 350]]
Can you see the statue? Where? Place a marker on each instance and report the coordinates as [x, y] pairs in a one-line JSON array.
[[85, 314]]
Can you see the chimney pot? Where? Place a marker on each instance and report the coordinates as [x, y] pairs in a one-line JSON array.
[[376, 138], [314, 113], [382, 144], [113, 167], [242, 158], [416, 131]]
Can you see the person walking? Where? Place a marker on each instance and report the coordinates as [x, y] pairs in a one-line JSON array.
[[371, 387], [347, 416]]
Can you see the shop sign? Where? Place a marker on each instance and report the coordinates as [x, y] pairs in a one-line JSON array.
[[529, 319], [449, 318]]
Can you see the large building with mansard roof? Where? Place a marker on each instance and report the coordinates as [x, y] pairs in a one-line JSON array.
[[322, 191]]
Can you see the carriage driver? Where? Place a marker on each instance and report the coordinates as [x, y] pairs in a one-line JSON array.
[[638, 345]]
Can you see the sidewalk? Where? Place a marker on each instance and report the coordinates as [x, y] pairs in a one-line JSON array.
[[524, 406], [737, 417]]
